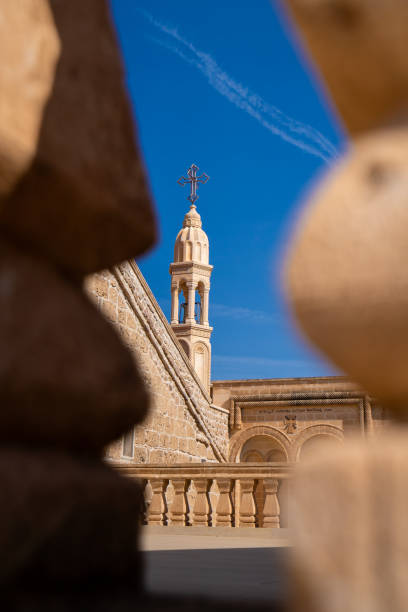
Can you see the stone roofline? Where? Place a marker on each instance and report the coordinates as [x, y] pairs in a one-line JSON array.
[[281, 381], [169, 348], [220, 409]]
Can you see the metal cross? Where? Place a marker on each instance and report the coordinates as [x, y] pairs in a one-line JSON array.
[[194, 180]]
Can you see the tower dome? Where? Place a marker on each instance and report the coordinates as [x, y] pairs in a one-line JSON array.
[[192, 241]]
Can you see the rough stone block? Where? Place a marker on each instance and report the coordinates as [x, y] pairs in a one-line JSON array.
[[152, 438], [65, 378], [110, 312], [121, 316], [65, 519], [100, 286], [345, 275], [72, 184], [29, 41], [174, 443], [140, 454], [360, 48]]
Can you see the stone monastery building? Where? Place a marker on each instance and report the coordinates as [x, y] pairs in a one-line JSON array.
[[195, 419]]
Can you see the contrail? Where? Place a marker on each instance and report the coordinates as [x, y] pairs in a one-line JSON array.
[[299, 134]]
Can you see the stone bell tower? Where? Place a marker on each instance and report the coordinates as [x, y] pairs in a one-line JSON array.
[[190, 284]]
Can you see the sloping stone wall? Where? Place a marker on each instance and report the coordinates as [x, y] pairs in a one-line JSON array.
[[182, 425]]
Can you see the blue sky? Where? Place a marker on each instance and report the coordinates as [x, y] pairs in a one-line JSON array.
[[223, 84]]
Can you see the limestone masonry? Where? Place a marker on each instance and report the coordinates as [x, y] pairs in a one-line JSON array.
[[193, 420], [182, 425]]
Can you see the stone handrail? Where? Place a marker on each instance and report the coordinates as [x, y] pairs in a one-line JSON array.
[[210, 494]]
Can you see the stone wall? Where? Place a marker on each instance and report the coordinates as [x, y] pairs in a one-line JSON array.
[[182, 425], [288, 413]]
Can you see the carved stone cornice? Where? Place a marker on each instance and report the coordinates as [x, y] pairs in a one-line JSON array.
[[187, 329], [303, 398], [190, 266]]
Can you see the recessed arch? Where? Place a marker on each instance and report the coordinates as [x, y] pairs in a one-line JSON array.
[[325, 433], [266, 448], [182, 301], [200, 347], [241, 437], [182, 287], [252, 456], [200, 359], [275, 454]]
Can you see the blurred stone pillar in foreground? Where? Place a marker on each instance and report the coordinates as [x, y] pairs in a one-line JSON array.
[[73, 199], [349, 515], [348, 286]]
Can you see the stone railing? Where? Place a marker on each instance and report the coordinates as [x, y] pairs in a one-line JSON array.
[[217, 495]]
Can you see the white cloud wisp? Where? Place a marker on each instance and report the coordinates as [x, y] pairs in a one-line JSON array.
[[294, 132]]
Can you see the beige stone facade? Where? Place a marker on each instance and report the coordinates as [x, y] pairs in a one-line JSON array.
[[243, 420], [244, 434], [194, 420], [183, 425], [284, 419]]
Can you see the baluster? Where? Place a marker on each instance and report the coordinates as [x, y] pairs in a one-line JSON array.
[[271, 509], [248, 507], [156, 514], [178, 511], [224, 505], [201, 506]]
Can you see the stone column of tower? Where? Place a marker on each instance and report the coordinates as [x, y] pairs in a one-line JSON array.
[[190, 286]]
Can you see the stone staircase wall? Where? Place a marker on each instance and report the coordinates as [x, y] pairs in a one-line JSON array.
[[183, 425]]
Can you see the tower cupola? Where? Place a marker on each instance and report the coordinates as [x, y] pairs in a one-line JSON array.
[[192, 241]]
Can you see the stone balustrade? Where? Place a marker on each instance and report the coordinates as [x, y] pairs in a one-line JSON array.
[[217, 495]]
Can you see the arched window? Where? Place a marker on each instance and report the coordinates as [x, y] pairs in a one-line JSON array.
[[197, 308], [182, 314]]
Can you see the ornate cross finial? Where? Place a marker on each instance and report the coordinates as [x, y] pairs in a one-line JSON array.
[[194, 180]]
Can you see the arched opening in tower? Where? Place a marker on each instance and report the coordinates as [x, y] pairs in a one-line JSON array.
[[182, 299], [196, 311], [197, 308]]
